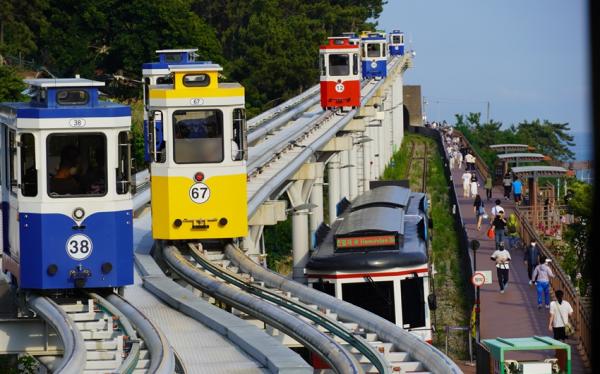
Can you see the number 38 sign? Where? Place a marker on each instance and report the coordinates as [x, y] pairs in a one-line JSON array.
[[199, 193], [79, 247]]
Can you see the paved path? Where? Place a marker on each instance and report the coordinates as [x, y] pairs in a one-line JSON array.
[[514, 313]]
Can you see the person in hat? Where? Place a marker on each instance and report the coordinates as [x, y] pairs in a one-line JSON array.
[[541, 278], [502, 258]]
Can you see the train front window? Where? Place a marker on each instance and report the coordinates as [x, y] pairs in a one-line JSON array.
[[355, 64], [339, 64], [72, 97], [197, 136], [239, 146], [373, 50], [322, 64], [29, 183], [76, 165], [396, 39]]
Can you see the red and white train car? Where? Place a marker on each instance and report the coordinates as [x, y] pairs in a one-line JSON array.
[[340, 74]]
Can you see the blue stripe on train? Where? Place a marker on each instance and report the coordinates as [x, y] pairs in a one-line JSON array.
[[84, 112], [43, 241]]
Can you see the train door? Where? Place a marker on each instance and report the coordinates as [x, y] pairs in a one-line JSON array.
[[413, 303], [10, 208]]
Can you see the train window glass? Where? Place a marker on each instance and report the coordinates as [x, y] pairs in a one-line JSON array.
[[123, 170], [167, 79], [156, 137], [197, 136], [376, 297], [239, 146], [373, 50], [413, 302], [339, 64], [322, 64], [76, 165], [396, 39], [196, 80], [146, 91], [383, 51], [72, 97], [29, 183], [172, 57], [12, 160], [355, 64]]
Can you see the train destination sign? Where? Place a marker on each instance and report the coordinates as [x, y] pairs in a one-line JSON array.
[[366, 241]]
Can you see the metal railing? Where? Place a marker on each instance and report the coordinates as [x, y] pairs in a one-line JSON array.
[[581, 318]]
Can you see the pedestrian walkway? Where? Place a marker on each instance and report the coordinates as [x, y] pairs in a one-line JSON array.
[[514, 313]]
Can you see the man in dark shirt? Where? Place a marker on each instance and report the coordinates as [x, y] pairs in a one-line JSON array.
[[499, 224]]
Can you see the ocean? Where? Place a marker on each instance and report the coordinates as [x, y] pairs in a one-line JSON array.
[[583, 148]]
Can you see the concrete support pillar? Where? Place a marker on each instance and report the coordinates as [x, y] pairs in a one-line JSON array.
[[316, 199], [268, 214], [333, 174], [300, 245], [397, 113], [353, 172], [381, 140], [298, 194], [366, 177], [344, 175], [253, 244]]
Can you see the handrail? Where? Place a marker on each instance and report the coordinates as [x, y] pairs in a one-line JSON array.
[[432, 358], [74, 355], [332, 326], [481, 166], [162, 358], [127, 365], [331, 351], [581, 318]]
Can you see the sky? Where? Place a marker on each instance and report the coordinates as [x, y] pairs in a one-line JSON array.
[[527, 58]]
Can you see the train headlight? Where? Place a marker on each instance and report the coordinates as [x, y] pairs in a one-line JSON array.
[[223, 221], [52, 269], [106, 267], [199, 176], [177, 223], [78, 213]]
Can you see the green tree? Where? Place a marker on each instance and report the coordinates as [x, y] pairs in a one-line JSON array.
[[11, 85], [551, 139]]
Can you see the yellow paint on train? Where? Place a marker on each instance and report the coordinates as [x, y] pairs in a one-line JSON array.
[[171, 201], [181, 91]]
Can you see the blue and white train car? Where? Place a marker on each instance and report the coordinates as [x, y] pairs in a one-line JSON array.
[[396, 43], [66, 201], [374, 55]]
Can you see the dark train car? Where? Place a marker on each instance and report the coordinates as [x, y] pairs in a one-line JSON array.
[[376, 257]]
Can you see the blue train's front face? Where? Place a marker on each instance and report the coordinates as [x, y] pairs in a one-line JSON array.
[[396, 43], [374, 57], [67, 214]]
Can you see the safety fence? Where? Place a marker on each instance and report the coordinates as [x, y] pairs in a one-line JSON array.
[[581, 318]]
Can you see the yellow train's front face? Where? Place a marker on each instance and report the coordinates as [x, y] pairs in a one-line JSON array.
[[198, 139]]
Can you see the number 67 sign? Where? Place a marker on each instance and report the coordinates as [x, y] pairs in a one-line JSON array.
[[199, 193]]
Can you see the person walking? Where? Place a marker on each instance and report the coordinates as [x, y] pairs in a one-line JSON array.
[[474, 185], [496, 209], [466, 178], [560, 311], [531, 258], [459, 159], [541, 277], [479, 210], [502, 258], [507, 183], [488, 188], [499, 225], [470, 160], [512, 230], [517, 188]]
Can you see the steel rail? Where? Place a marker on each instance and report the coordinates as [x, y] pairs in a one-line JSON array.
[[301, 309], [74, 356], [432, 358], [162, 358], [336, 356], [128, 365]]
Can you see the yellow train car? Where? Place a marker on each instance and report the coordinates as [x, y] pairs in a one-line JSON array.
[[195, 131]]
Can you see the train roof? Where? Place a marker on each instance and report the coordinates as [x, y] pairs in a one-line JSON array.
[[396, 32], [338, 42], [179, 50], [63, 82], [373, 220], [394, 196], [413, 252]]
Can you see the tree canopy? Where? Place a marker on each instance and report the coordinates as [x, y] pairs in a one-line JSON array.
[[269, 46]]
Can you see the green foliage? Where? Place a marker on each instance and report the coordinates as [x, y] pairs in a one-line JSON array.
[[550, 139], [11, 85], [278, 242], [23, 364]]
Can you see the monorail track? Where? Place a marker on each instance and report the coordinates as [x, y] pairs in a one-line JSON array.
[[419, 153], [374, 355], [102, 335]]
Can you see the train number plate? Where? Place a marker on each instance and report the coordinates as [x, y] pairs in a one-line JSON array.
[[339, 88], [199, 193], [79, 247], [77, 122]]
